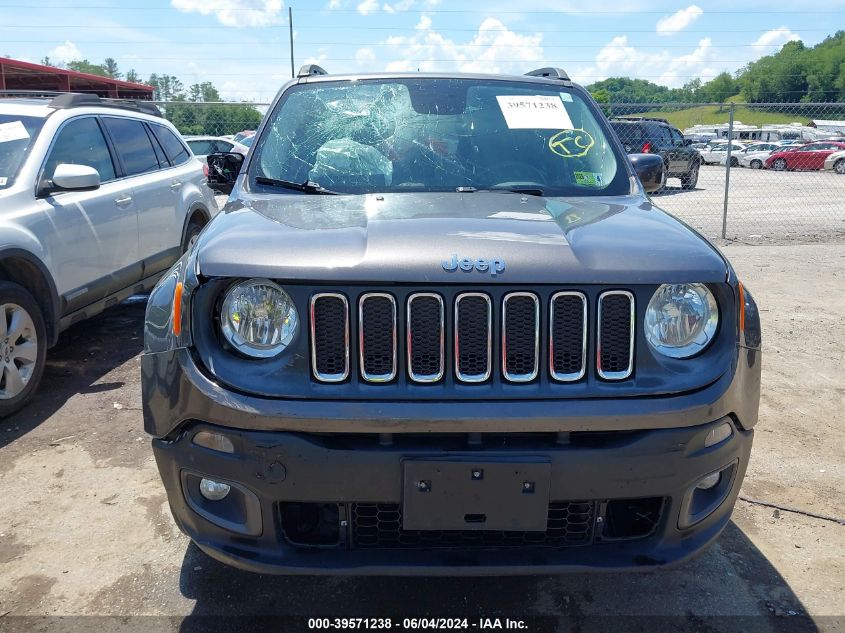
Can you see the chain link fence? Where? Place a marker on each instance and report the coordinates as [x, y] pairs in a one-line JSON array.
[[778, 180]]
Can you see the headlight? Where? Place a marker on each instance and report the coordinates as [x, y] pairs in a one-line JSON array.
[[258, 318], [681, 319]]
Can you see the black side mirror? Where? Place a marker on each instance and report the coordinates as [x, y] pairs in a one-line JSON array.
[[223, 170], [687, 142], [649, 169]]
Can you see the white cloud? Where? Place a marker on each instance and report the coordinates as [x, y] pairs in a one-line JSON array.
[[365, 57], [771, 41], [677, 22], [237, 13], [618, 58], [424, 23], [335, 4], [65, 53], [402, 5], [368, 6], [493, 49]]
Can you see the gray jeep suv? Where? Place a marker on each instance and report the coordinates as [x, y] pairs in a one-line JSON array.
[[97, 200], [440, 328]]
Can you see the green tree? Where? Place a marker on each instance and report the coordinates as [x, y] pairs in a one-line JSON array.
[[719, 88], [45, 61], [132, 76], [167, 87], [110, 67], [203, 92], [84, 66]]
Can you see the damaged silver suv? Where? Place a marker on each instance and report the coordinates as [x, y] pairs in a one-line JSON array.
[[440, 328]]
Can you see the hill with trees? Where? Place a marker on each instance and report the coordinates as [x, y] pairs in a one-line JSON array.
[[794, 74]]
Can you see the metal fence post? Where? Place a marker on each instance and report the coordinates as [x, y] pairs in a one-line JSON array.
[[728, 171]]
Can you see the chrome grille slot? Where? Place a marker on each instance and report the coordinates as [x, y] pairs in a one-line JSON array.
[[473, 337], [425, 334], [567, 336], [377, 336], [520, 336], [330, 337], [615, 338]]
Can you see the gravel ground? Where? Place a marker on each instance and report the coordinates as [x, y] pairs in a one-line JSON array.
[[85, 528], [763, 205]]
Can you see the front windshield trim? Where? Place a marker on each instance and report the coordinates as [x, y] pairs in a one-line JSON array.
[[621, 182]]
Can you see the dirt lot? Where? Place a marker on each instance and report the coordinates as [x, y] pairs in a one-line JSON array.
[[85, 528], [764, 205]]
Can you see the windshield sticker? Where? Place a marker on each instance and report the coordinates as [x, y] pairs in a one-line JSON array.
[[13, 131], [588, 179], [3, 181], [571, 143], [565, 96], [534, 112]]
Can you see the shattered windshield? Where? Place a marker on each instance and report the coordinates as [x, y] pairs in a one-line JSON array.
[[427, 134]]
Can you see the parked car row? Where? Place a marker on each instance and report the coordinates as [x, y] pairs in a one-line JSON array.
[[97, 200], [778, 156]]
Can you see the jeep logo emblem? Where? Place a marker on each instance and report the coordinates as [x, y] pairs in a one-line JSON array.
[[494, 266]]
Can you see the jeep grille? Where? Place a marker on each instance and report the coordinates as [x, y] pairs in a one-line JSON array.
[[521, 321]]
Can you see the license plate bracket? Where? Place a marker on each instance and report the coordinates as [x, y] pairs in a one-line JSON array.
[[464, 494]]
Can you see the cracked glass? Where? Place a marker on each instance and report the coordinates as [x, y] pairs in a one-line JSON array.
[[433, 134]]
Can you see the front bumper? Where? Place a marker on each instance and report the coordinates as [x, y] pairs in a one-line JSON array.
[[641, 455]]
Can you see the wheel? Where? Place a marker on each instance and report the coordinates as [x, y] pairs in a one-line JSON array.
[[734, 162], [691, 179], [839, 166], [23, 347], [756, 164], [779, 165], [191, 235]]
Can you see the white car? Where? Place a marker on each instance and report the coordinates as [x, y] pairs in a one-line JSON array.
[[835, 162], [97, 201], [202, 146], [716, 152], [752, 156]]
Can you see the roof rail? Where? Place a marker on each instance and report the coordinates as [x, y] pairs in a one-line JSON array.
[[309, 70], [77, 100], [551, 73]]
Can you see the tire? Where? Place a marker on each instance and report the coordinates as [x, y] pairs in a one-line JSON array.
[[839, 167], [756, 164], [779, 164], [191, 234], [691, 179], [22, 359], [734, 162]]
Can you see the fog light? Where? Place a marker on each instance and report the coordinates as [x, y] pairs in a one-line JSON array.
[[214, 441], [718, 434], [213, 490], [706, 483]]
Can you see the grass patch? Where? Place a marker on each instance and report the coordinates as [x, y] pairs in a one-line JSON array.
[[709, 115]]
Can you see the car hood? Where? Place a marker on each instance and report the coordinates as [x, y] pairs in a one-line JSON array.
[[408, 237]]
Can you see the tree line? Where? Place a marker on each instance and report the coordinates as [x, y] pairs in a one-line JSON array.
[[795, 74], [189, 119]]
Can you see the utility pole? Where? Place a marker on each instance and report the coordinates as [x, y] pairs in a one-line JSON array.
[[290, 27]]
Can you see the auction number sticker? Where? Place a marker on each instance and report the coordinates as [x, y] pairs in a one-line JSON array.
[[536, 112], [12, 131], [417, 624]]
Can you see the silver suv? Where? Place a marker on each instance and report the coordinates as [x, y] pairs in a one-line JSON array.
[[97, 200]]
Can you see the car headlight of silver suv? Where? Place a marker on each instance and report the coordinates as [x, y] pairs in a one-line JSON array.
[[258, 318], [681, 319]]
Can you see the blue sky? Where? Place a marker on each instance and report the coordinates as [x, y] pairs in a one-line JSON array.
[[242, 45]]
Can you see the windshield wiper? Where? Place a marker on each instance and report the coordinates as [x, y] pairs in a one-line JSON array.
[[525, 190], [305, 187]]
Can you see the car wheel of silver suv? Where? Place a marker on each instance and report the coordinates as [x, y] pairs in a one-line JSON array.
[[23, 346]]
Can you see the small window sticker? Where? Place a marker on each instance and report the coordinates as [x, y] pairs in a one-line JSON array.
[[12, 131], [588, 179], [3, 181], [534, 112], [565, 96]]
